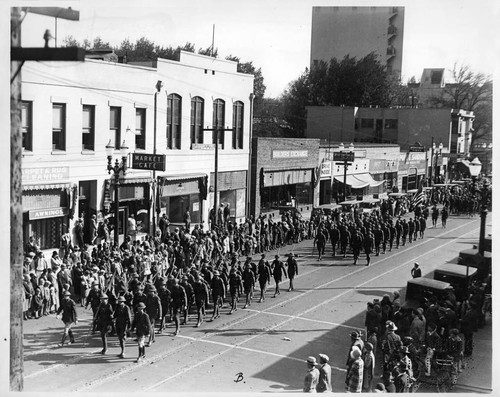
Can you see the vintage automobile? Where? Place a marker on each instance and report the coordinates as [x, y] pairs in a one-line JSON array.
[[420, 289], [459, 277]]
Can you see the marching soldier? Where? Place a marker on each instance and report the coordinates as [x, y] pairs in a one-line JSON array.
[[200, 290], [293, 270], [334, 237], [165, 299], [356, 244], [392, 235], [94, 299], [264, 276], [218, 293], [368, 243], [189, 296], [248, 277], [122, 323], [104, 321], [378, 237], [235, 288], [142, 327], [345, 237], [153, 309], [278, 269], [399, 232], [69, 316], [411, 230], [179, 303]]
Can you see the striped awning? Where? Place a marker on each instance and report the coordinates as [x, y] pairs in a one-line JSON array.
[[359, 181], [47, 186], [183, 177], [132, 181]]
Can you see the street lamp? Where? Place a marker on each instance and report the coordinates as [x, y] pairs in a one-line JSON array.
[[158, 87], [116, 172], [346, 157]]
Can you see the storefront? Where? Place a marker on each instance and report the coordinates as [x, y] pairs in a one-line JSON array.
[[231, 187], [412, 171], [284, 173], [48, 205], [325, 183], [134, 197], [180, 193]]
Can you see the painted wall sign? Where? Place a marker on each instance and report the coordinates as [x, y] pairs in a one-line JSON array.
[[48, 213], [286, 154], [45, 174]]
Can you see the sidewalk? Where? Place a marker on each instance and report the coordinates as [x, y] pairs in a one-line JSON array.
[[478, 374]]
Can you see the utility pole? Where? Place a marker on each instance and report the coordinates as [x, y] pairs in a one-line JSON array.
[[156, 208], [216, 167], [18, 56]]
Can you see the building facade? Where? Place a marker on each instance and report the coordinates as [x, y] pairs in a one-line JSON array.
[[284, 174], [71, 113], [358, 31]]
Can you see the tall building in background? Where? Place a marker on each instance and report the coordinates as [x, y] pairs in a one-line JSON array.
[[357, 31]]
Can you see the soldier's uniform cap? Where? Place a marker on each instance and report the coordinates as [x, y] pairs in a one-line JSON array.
[[67, 293], [104, 296], [216, 273], [121, 299], [141, 305]]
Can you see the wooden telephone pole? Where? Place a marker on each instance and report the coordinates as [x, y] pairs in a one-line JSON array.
[[18, 56]]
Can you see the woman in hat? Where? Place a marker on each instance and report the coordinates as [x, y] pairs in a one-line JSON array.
[[354, 379], [122, 323], [312, 376], [142, 327], [368, 367], [325, 375]]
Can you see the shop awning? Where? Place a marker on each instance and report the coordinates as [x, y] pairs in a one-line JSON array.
[[359, 181], [46, 186], [133, 181], [183, 177]]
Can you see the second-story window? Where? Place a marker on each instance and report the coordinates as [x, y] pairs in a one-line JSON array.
[[218, 122], [88, 127], [27, 125], [140, 128], [174, 114], [197, 110], [58, 126], [238, 125], [115, 125]]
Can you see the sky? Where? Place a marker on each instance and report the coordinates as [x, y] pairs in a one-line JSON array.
[[276, 34]]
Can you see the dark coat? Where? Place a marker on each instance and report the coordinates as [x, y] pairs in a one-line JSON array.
[[122, 318], [142, 324], [104, 316], [68, 309]]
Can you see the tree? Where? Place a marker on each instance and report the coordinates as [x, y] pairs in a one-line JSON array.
[[470, 91], [259, 88], [209, 51], [99, 43]]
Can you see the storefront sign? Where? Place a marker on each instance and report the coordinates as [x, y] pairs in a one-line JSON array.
[[417, 149], [203, 146], [152, 162], [326, 170], [45, 174], [286, 154], [343, 156], [48, 213]]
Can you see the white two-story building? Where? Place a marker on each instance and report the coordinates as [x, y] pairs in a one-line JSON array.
[[72, 111]]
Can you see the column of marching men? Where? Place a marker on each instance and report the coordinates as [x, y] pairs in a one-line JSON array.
[[175, 278]]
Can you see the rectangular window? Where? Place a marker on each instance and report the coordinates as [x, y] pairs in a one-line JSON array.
[[366, 123], [27, 125], [238, 125], [197, 117], [174, 114], [58, 126], [88, 128], [218, 122], [115, 124], [140, 128], [390, 124]]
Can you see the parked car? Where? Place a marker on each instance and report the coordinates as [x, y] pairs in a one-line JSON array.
[[420, 289], [459, 277], [370, 204]]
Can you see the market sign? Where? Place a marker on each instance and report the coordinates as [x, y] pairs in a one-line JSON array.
[[343, 156], [48, 213], [151, 162], [45, 174], [326, 169]]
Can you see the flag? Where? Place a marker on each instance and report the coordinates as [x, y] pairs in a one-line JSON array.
[[418, 197]]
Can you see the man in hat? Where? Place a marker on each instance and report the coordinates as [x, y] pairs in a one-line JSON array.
[[104, 321], [416, 271], [69, 316], [390, 341], [139, 296], [218, 293], [122, 323], [153, 309], [312, 376], [278, 269], [325, 375], [355, 341], [201, 294], [248, 278], [433, 344], [189, 297], [235, 288], [143, 329], [264, 276], [179, 303], [165, 299], [293, 269], [354, 378]]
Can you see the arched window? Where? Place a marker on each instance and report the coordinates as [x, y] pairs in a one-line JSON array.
[[197, 116], [238, 125], [219, 116], [174, 114]]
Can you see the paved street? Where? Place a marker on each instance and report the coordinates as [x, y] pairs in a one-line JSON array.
[[267, 343]]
